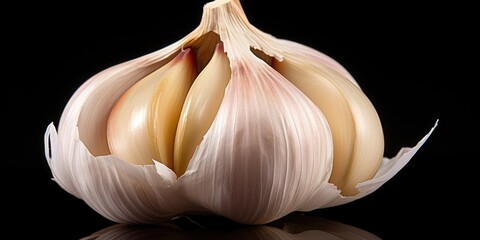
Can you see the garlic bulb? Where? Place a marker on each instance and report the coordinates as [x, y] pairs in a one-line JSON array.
[[228, 120]]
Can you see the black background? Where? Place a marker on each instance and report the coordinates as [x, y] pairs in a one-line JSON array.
[[414, 62]]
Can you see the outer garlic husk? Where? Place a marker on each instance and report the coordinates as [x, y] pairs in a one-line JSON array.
[[271, 146]]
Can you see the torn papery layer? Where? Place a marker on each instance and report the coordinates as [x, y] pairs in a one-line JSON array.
[[120, 191], [388, 169], [123, 192]]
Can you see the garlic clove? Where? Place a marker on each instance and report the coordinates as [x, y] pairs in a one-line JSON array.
[[143, 122], [356, 128], [200, 108], [369, 143], [317, 86], [89, 108], [256, 163], [85, 116]]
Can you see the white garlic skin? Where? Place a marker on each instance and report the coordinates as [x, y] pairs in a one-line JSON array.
[[269, 150]]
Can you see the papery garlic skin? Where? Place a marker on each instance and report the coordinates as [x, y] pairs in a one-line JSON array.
[[265, 149]]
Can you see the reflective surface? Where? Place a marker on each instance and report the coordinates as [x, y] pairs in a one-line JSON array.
[[294, 227]]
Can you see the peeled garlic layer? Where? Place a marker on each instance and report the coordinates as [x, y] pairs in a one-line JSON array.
[[227, 120]]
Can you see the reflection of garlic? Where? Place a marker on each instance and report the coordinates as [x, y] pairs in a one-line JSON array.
[[293, 227], [254, 128]]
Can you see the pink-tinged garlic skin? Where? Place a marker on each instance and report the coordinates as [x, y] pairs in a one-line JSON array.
[[269, 151], [268, 164]]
